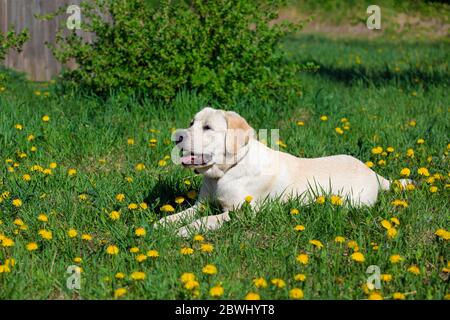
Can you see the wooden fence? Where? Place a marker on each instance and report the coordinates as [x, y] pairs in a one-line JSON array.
[[36, 60]]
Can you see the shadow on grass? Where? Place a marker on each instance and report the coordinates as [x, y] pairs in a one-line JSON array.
[[382, 76], [164, 192]]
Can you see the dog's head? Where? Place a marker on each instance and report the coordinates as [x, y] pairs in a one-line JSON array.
[[214, 140]]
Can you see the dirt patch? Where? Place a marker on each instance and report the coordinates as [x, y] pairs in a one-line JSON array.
[[401, 23]]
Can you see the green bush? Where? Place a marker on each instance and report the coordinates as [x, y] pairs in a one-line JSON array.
[[221, 48], [11, 40]]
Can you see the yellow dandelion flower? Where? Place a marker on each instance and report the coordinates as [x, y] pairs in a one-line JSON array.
[[370, 164], [187, 276], [216, 291], [152, 254], [396, 258], [191, 285], [209, 269], [279, 283], [442, 233], [336, 200], [114, 215], [72, 233], [252, 296], [391, 233], [299, 227], [17, 203], [119, 292], [294, 211], [377, 150], [86, 237], [140, 232], [320, 200], [137, 275], [112, 250], [32, 246], [162, 163], [296, 293], [132, 206], [45, 234], [414, 270], [398, 296], [375, 296], [120, 197], [386, 224], [199, 238], [339, 239], [300, 277], [386, 277], [260, 283], [140, 167], [303, 258], [18, 222], [167, 208], [405, 172], [400, 203], [206, 247], [179, 200], [82, 197], [7, 242], [423, 172], [395, 221], [316, 243], [358, 257], [186, 251], [353, 245], [141, 257]]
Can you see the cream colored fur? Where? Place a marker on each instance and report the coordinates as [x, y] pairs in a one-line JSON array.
[[240, 166]]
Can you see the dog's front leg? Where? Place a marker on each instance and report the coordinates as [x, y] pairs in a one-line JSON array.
[[204, 224], [187, 214]]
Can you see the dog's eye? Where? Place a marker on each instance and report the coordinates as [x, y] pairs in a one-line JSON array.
[[192, 122], [206, 127]]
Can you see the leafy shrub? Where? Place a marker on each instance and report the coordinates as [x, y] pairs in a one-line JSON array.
[[221, 48], [11, 40]]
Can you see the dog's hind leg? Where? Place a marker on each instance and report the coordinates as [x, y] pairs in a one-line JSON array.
[[204, 224]]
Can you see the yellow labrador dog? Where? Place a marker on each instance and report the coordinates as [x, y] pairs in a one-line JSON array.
[[221, 145]]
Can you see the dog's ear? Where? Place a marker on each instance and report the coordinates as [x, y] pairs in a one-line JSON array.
[[238, 133]]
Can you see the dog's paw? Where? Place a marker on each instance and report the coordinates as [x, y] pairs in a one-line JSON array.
[[164, 222], [184, 232]]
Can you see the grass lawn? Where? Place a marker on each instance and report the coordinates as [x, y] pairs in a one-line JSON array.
[[68, 171]]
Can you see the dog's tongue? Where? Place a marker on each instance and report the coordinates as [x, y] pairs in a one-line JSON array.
[[191, 159]]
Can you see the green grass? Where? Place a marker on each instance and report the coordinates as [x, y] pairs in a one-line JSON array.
[[379, 86]]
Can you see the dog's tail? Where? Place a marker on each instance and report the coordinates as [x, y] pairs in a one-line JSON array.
[[385, 184]]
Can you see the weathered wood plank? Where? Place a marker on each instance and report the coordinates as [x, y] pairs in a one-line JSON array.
[[36, 60]]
